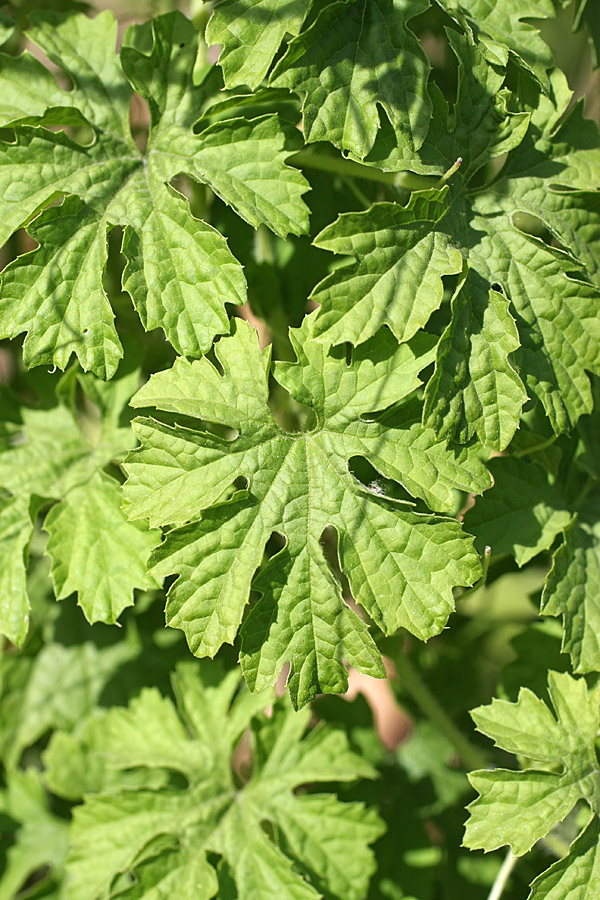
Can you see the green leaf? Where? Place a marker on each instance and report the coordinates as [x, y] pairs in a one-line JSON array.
[[503, 29], [61, 686], [395, 278], [47, 456], [96, 552], [522, 515], [572, 588], [401, 564], [475, 390], [40, 840], [576, 875], [250, 33], [518, 808], [165, 834], [357, 56], [179, 270]]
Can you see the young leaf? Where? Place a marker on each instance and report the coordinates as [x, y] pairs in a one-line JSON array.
[[119, 831], [96, 552], [357, 56], [250, 33], [180, 271], [401, 565], [520, 807]]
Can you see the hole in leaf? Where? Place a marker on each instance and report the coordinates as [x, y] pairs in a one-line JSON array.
[[242, 759], [139, 121], [534, 226], [274, 545], [376, 484], [291, 416], [241, 483]]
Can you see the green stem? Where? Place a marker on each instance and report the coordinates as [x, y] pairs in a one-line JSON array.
[[527, 451], [451, 171], [502, 876], [471, 756], [310, 159]]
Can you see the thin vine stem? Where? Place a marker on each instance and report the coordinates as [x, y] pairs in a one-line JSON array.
[[502, 877], [528, 451], [470, 755]]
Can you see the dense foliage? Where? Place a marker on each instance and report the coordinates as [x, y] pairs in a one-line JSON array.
[[343, 258]]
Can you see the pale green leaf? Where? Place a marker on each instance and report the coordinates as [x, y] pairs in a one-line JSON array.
[[62, 686], [577, 875], [524, 512], [47, 456], [572, 588], [357, 56], [250, 33], [96, 552], [395, 279], [401, 564], [319, 830], [84, 48], [30, 92], [163, 836], [520, 807]]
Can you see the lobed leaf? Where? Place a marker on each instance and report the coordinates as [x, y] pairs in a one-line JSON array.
[[520, 807], [401, 564], [179, 270], [356, 57], [168, 835], [571, 588]]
